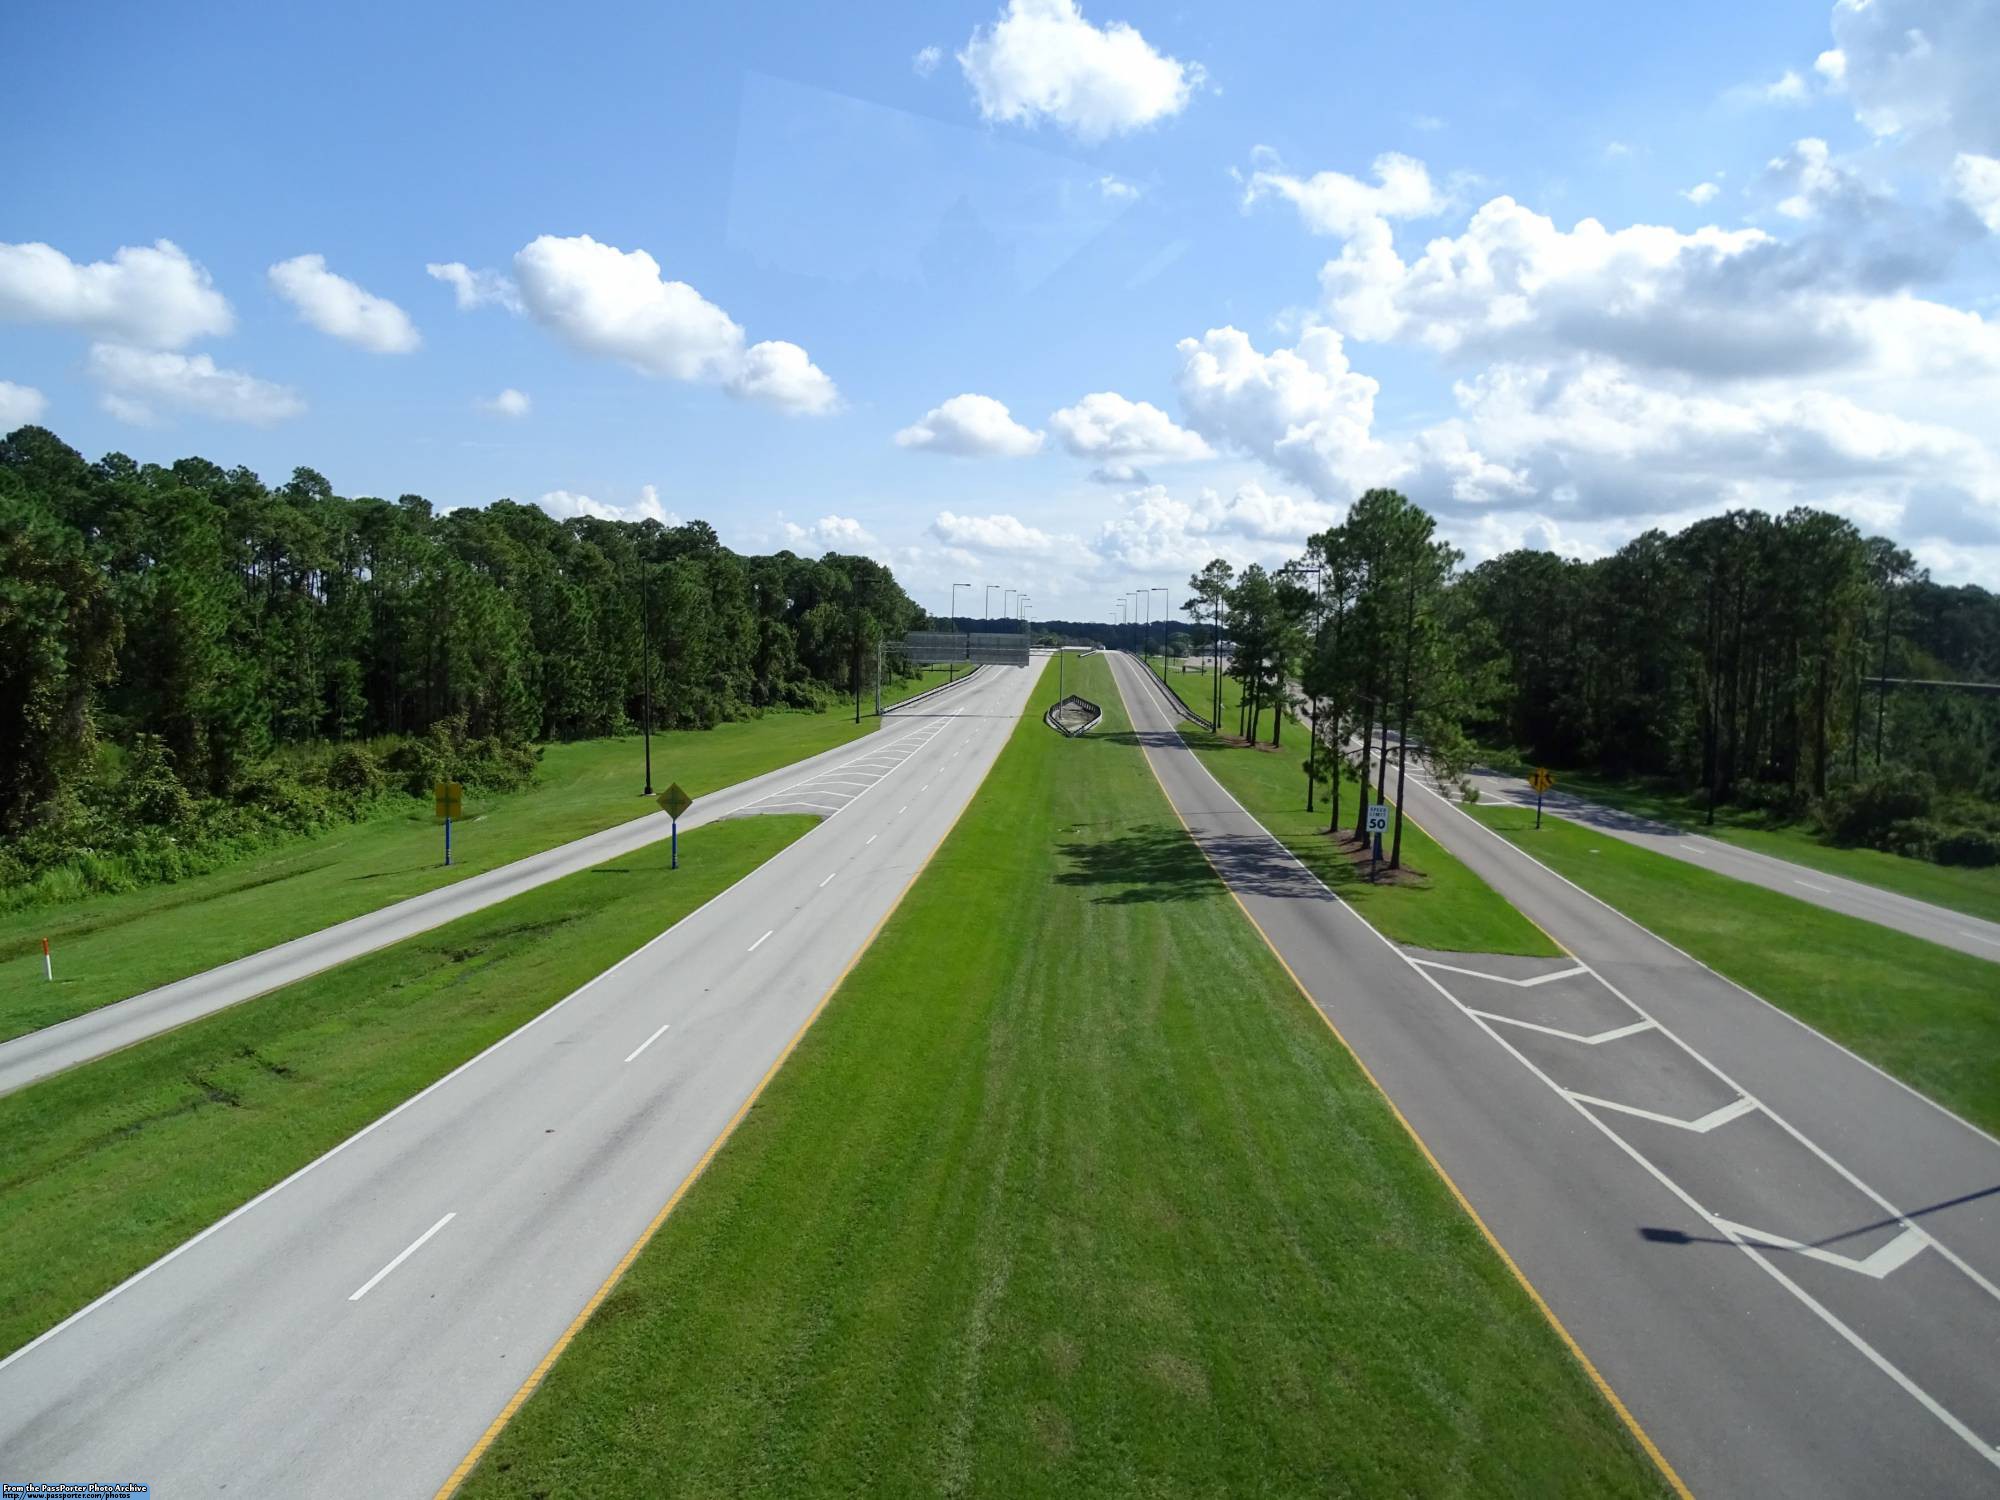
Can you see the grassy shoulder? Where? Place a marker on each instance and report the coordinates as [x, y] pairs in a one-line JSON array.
[[171, 1134], [1446, 907], [1067, 1192], [1925, 1013], [1974, 892], [109, 947]]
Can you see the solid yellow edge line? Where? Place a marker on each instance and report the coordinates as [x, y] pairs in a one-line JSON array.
[[535, 1377], [1597, 1379]]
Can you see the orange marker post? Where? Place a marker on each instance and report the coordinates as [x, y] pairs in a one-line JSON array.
[[48, 965]]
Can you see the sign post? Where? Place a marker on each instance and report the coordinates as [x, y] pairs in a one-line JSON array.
[[48, 964], [674, 802], [1378, 824], [1541, 781], [448, 801]]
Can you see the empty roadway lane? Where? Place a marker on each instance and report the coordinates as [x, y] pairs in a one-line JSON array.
[[94, 1033], [1783, 1261], [356, 1329]]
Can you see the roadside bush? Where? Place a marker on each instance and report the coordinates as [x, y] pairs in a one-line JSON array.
[[1913, 838], [1972, 848], [1864, 812], [1778, 800], [354, 771], [149, 790]]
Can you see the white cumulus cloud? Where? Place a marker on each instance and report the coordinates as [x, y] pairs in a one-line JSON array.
[[616, 304], [473, 289], [1106, 425], [971, 426], [1305, 410], [926, 61], [20, 405], [1975, 182], [147, 295], [565, 505], [1334, 203], [1043, 61], [1700, 193], [829, 534], [1922, 69], [337, 307], [144, 386], [509, 403], [994, 533]]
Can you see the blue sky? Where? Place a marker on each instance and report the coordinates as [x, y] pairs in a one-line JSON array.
[[1559, 271]]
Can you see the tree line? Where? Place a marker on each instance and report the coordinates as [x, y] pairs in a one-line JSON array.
[[1786, 663], [209, 622]]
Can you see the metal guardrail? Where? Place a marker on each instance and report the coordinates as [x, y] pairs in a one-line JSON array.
[[1081, 720], [929, 693], [1202, 719]]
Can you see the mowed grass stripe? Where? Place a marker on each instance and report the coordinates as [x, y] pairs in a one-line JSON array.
[[1067, 1192], [1954, 887], [153, 1144], [110, 947], [1930, 1015], [1449, 907]]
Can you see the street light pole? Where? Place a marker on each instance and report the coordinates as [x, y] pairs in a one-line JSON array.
[[989, 599], [1163, 626], [646, 669], [950, 669]]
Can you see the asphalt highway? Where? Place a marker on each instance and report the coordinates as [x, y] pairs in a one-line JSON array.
[[1784, 1262], [357, 1328], [1853, 898], [38, 1054]]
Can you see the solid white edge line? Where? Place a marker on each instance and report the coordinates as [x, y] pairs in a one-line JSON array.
[[411, 1249], [1984, 1282], [1909, 1386], [649, 1041], [380, 1120]]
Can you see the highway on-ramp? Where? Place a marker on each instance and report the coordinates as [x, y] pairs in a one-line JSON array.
[[1854, 898], [1784, 1262], [38, 1054], [355, 1329]]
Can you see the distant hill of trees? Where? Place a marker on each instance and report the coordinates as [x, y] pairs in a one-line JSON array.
[[210, 634]]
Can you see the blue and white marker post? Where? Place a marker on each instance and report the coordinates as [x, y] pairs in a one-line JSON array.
[[674, 802]]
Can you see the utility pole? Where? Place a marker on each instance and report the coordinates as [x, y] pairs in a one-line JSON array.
[[646, 669]]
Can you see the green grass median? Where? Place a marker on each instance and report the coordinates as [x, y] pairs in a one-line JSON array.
[[1928, 1014], [110, 947], [1439, 903], [1067, 1192], [152, 1144]]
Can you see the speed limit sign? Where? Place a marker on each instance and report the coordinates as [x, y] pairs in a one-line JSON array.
[[1378, 817]]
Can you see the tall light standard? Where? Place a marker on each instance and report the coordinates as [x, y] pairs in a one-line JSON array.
[[950, 669], [646, 665], [1163, 627], [1006, 609], [989, 599]]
